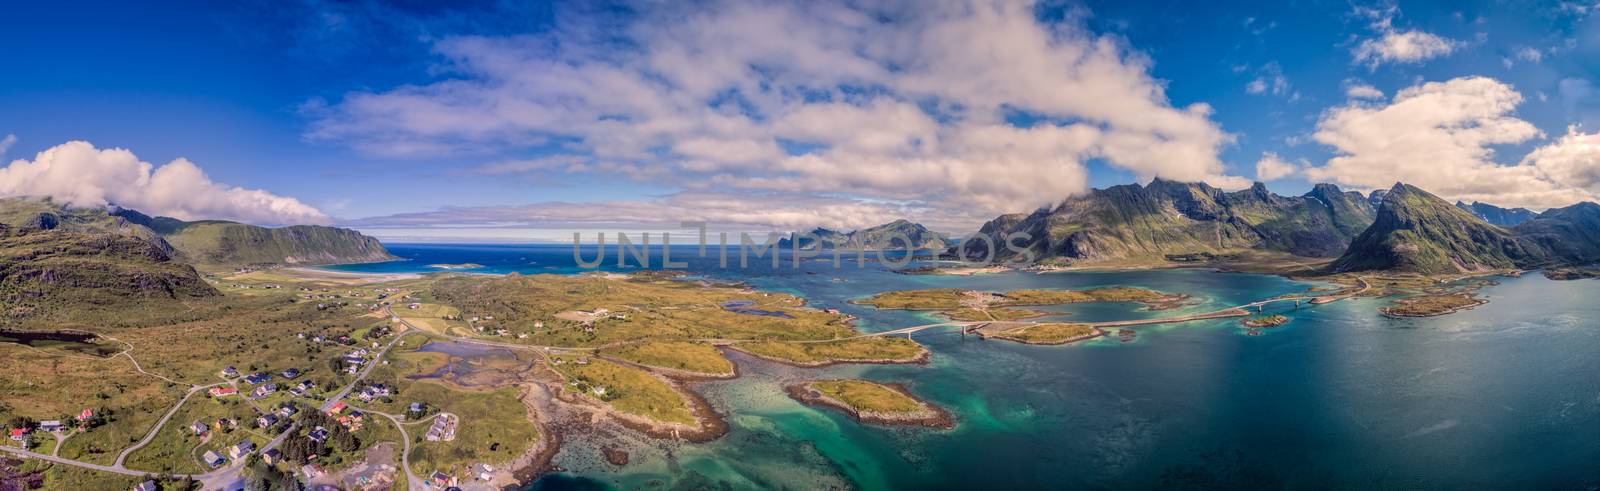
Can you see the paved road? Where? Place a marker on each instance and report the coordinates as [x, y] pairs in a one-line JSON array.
[[79, 463], [413, 482], [162, 422], [376, 359]]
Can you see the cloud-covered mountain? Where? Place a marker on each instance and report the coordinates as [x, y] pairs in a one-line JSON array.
[[887, 236], [78, 174]]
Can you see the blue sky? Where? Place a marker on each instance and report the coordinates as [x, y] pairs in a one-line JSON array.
[[401, 118]]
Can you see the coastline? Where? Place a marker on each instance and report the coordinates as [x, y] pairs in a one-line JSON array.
[[922, 358], [318, 271]]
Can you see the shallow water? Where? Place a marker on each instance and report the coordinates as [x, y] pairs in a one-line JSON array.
[[1506, 395]]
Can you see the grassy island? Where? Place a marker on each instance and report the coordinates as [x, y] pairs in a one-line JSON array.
[[1571, 273], [871, 402], [1048, 333], [979, 306], [879, 349], [456, 266], [1265, 321], [1432, 305]]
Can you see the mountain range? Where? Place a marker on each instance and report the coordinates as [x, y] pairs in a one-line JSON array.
[[1403, 229], [203, 243], [1168, 219], [1416, 231], [881, 237], [1504, 217]]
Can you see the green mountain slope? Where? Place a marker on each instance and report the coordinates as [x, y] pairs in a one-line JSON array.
[[1568, 235], [1418, 232], [1166, 218], [879, 237], [47, 215], [206, 243], [63, 274], [227, 243]]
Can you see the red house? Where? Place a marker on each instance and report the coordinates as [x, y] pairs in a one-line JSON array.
[[86, 414], [223, 391]]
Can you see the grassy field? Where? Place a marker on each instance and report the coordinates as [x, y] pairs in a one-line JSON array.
[[627, 389], [1048, 333], [51, 384], [495, 427], [926, 299], [57, 476], [1431, 305], [676, 355], [431, 317], [866, 396], [174, 448], [872, 349], [636, 308], [1112, 294], [995, 314]]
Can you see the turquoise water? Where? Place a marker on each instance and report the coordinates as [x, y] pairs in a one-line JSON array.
[[1504, 396]]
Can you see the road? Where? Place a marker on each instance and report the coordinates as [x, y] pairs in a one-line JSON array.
[[161, 422], [79, 463], [413, 482], [376, 359]]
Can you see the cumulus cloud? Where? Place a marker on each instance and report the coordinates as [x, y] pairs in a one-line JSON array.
[[1439, 135], [1271, 167], [763, 211], [1530, 54], [78, 174], [1393, 45], [6, 143], [1573, 160], [1270, 79], [1363, 91], [900, 101]]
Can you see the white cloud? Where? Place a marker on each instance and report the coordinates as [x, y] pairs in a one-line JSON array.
[[1271, 167], [1393, 45], [844, 102], [1270, 79], [1573, 160], [1402, 47], [6, 143], [78, 174], [1530, 54], [1439, 135], [765, 211], [1363, 91]]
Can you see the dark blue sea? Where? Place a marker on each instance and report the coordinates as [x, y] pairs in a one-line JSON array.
[[1505, 396]]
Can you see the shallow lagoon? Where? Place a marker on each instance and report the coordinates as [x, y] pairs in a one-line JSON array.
[[1506, 395]]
